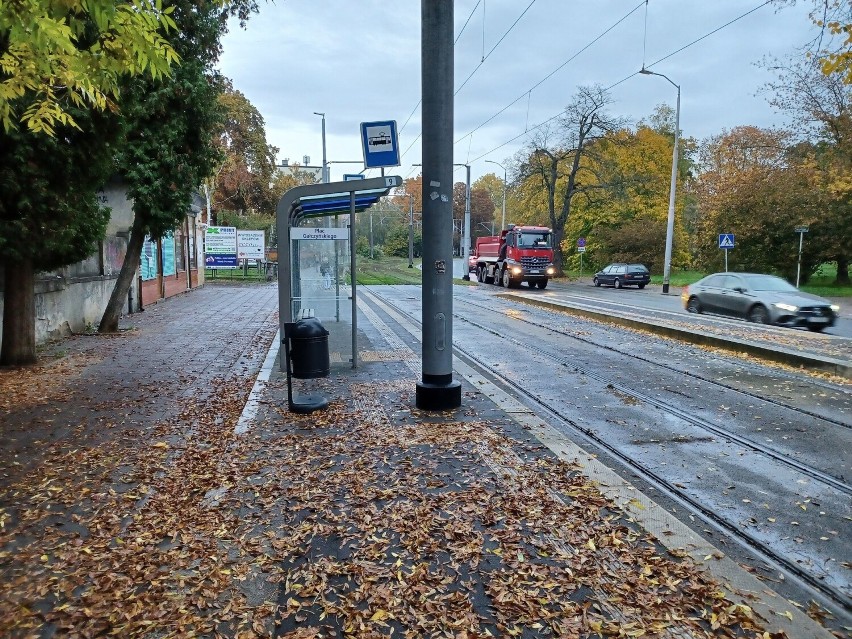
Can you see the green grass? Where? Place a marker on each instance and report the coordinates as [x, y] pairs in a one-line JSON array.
[[387, 270], [234, 275]]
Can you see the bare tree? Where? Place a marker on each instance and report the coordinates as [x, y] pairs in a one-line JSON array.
[[555, 155]]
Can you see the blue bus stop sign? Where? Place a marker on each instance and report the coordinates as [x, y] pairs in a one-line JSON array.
[[380, 144]]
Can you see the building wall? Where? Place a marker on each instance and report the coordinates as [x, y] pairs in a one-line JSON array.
[[73, 299]]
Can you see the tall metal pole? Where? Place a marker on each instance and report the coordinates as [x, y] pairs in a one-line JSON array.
[[466, 233], [503, 220], [410, 231], [437, 389], [667, 261], [324, 163], [801, 230]]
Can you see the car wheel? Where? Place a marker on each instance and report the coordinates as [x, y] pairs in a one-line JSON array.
[[641, 286], [816, 329], [693, 305], [542, 284], [596, 282], [758, 315], [617, 283]]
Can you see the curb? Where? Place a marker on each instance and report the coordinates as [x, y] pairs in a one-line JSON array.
[[778, 355]]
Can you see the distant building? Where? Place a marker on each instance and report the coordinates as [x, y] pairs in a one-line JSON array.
[[291, 169]]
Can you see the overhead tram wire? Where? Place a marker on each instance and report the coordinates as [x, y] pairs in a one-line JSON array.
[[552, 73], [665, 57], [485, 57]]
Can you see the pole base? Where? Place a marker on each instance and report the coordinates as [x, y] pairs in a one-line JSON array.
[[438, 397], [307, 403], [665, 289]]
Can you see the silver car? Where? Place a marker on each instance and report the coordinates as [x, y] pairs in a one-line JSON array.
[[764, 299]]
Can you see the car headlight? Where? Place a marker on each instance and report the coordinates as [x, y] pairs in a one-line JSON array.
[[835, 308], [551, 271], [786, 307], [516, 270]]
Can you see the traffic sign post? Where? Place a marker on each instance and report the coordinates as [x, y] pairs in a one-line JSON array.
[[581, 248], [801, 230], [380, 144], [726, 242]]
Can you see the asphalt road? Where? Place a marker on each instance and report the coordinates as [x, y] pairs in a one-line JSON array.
[[652, 300]]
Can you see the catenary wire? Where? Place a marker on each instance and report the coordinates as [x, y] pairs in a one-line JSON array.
[[615, 84]]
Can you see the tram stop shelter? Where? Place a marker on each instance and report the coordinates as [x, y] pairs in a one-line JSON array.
[[316, 250]]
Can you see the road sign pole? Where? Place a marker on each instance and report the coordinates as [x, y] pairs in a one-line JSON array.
[[726, 260], [799, 267]]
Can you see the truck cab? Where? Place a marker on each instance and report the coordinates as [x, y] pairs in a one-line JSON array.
[[528, 256], [524, 254]]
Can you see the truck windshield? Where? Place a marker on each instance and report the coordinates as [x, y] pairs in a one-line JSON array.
[[534, 240]]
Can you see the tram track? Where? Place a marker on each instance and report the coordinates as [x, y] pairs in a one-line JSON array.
[[831, 598], [809, 471], [680, 371]]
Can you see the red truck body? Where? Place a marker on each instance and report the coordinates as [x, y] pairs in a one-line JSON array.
[[519, 254]]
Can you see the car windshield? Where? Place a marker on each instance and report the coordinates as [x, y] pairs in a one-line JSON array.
[[769, 283], [534, 240]]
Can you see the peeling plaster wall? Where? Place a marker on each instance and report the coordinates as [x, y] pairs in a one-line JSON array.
[[66, 303]]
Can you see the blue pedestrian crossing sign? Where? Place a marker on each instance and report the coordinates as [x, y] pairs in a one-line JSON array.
[[726, 240]]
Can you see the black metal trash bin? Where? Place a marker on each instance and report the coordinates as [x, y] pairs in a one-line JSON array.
[[306, 352], [309, 349]]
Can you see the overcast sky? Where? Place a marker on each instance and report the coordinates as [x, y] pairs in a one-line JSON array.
[[359, 61]]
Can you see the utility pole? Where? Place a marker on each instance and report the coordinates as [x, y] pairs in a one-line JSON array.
[[667, 260], [410, 231], [503, 220], [465, 234], [437, 390], [801, 230]]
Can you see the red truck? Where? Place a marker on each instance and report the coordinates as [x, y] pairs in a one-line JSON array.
[[518, 254]]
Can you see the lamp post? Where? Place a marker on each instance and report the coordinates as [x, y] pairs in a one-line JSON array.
[[503, 220], [667, 263], [410, 230], [324, 163], [466, 228]]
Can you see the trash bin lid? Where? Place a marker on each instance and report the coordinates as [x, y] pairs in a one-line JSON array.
[[308, 327]]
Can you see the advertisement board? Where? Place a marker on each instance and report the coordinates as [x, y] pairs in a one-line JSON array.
[[250, 245], [220, 247]]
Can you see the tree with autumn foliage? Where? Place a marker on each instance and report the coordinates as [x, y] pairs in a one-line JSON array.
[[170, 148], [627, 222], [822, 108], [59, 60], [241, 183], [753, 184], [556, 163]]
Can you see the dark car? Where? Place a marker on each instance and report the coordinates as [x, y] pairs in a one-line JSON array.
[[619, 275], [764, 299]]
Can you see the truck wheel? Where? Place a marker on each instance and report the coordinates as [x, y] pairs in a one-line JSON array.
[[542, 284], [507, 278], [498, 277]]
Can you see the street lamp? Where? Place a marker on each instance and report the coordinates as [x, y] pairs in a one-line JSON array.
[[503, 221], [466, 236], [324, 163], [667, 263]]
